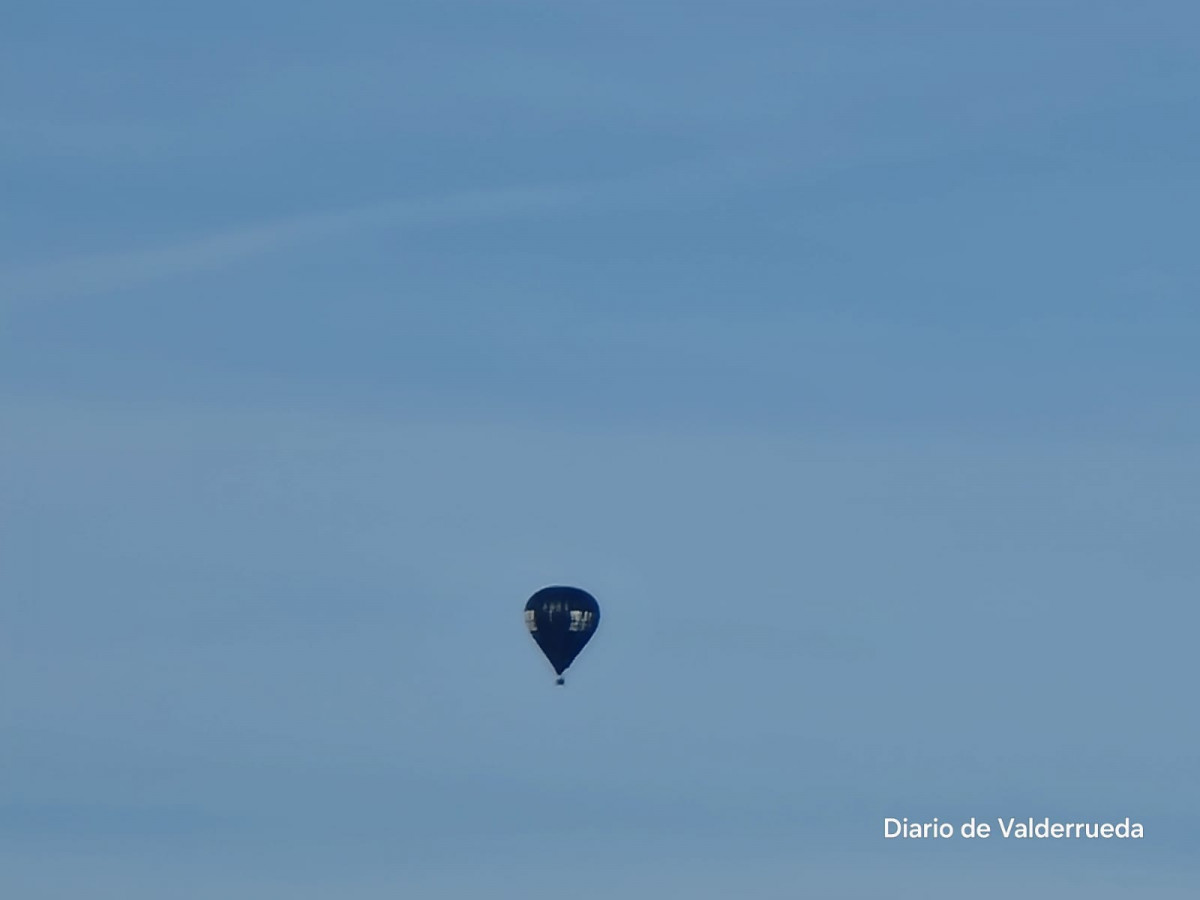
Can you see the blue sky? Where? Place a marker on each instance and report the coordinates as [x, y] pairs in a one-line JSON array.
[[846, 355]]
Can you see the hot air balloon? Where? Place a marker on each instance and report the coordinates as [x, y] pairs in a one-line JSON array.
[[562, 620]]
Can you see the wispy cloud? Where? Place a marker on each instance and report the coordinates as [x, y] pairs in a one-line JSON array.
[[102, 272], [99, 273]]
